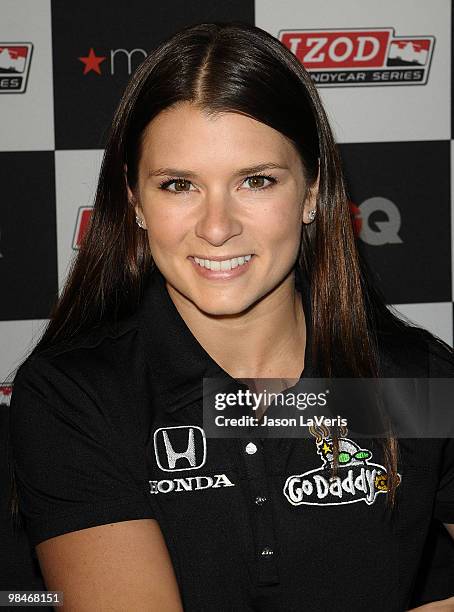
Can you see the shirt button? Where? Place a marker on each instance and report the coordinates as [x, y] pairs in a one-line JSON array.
[[259, 500], [251, 448], [267, 552]]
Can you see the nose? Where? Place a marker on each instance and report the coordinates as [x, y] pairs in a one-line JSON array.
[[218, 220]]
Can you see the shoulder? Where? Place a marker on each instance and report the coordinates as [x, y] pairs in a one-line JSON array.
[[83, 394], [77, 371]]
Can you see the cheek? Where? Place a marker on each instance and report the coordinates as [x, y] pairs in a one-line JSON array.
[[166, 225], [279, 222]]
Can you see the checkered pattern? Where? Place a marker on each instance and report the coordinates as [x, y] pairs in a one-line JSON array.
[[395, 139]]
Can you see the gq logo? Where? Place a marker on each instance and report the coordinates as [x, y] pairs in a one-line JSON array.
[[377, 233], [180, 448]]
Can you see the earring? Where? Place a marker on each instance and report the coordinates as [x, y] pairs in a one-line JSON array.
[[139, 221], [312, 214]]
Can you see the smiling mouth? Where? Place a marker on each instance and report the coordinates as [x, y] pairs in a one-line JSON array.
[[217, 265]]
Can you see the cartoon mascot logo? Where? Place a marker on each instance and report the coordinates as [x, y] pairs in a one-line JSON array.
[[357, 479]]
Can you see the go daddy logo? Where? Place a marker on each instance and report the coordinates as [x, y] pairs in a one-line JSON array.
[[359, 479], [355, 57]]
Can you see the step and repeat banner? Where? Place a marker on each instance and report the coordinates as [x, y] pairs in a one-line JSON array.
[[383, 70]]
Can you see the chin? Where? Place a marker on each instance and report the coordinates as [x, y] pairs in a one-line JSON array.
[[221, 308]]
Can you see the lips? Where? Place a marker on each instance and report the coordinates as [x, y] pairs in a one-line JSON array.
[[225, 264], [234, 269], [220, 257]]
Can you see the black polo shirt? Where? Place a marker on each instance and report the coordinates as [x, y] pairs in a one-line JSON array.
[[111, 429]]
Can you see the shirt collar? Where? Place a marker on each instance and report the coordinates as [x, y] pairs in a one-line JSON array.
[[178, 363]]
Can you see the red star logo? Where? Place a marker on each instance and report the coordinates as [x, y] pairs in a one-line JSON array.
[[91, 62]]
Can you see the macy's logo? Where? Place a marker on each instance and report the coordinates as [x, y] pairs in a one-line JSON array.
[[124, 60]]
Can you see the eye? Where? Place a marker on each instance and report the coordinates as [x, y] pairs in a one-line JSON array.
[[260, 178], [179, 181]]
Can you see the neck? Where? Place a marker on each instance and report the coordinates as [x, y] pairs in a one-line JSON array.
[[266, 341]]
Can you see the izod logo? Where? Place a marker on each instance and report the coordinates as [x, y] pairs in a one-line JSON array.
[[361, 56], [15, 58]]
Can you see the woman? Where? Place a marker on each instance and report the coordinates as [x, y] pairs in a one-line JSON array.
[[220, 245]]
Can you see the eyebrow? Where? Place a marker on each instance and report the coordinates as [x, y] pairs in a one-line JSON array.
[[241, 172]]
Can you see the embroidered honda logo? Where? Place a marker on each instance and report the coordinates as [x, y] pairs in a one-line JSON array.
[[180, 448]]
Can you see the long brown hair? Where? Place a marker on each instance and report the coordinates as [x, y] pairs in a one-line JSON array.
[[240, 68]]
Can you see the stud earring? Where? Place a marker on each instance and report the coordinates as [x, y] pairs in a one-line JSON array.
[[311, 214], [139, 222]]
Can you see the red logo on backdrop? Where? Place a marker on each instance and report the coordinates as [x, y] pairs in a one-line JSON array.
[[5, 394], [83, 219], [124, 61], [342, 58], [92, 62], [355, 214], [15, 61]]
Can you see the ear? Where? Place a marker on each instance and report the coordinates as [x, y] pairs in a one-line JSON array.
[[132, 199], [310, 202]]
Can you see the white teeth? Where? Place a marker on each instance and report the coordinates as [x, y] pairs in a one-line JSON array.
[[226, 264]]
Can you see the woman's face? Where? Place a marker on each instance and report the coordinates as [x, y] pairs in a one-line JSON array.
[[199, 196]]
